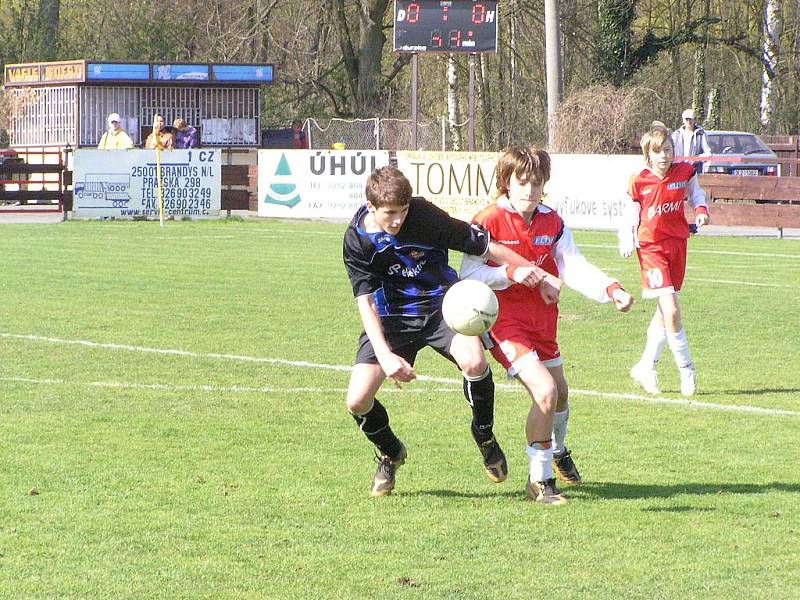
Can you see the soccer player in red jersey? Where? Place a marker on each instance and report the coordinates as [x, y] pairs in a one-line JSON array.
[[395, 252], [655, 226], [524, 336]]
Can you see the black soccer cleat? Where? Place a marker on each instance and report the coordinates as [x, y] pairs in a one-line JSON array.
[[494, 461], [383, 481], [565, 469]]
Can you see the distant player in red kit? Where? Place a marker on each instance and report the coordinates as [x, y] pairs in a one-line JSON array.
[[524, 336], [655, 226]]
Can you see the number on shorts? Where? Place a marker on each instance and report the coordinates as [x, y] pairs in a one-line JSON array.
[[654, 278]]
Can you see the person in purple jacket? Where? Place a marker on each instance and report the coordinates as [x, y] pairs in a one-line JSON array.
[[186, 136]]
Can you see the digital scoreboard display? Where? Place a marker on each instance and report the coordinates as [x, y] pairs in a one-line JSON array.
[[445, 26]]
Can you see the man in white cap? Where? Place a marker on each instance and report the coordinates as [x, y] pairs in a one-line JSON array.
[[690, 140], [115, 138]]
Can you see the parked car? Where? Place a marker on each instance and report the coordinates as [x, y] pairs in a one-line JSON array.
[[9, 155], [741, 153]]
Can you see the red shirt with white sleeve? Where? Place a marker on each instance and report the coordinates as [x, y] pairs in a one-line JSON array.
[[661, 200], [548, 243]]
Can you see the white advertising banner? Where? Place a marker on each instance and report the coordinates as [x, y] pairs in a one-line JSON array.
[[124, 183], [459, 182], [588, 190], [314, 184]]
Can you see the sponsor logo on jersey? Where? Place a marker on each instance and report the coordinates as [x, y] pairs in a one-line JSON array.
[[403, 271], [508, 242], [543, 240], [677, 185]]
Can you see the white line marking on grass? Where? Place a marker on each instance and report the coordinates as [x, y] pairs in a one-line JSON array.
[[722, 252], [750, 283], [448, 381], [236, 389]]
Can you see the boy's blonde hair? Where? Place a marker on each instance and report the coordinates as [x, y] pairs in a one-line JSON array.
[[526, 162], [388, 186], [655, 138]]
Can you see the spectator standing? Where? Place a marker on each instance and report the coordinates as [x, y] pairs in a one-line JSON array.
[[690, 140], [299, 137], [159, 137], [115, 138], [185, 136]]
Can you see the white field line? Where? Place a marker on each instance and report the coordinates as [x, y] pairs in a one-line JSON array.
[[234, 389], [750, 283], [722, 252], [446, 381]]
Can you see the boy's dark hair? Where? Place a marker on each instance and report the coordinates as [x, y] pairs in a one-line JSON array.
[[388, 186], [526, 162]]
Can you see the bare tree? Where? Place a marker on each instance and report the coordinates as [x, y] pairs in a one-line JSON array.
[[771, 47]]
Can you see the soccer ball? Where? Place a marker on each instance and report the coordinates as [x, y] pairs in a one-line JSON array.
[[470, 307]]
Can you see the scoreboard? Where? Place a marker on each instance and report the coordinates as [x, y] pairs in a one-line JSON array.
[[445, 26]]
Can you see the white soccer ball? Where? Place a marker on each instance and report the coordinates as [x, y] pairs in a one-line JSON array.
[[470, 307]]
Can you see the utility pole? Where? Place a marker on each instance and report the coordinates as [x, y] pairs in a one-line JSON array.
[[553, 61]]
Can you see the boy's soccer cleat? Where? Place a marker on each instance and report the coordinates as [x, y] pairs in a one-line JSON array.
[[645, 377], [687, 380], [565, 469], [494, 461], [383, 482], [545, 492]]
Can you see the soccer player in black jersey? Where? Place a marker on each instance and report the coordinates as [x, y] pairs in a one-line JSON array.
[[396, 256]]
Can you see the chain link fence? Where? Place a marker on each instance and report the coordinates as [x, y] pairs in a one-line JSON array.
[[375, 134]]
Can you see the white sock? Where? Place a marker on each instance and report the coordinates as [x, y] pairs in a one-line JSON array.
[[656, 339], [560, 430], [540, 462], [680, 349]]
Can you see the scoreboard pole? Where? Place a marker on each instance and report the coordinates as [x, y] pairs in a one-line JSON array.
[[414, 119], [471, 105]]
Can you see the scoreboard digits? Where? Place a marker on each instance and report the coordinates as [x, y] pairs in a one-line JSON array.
[[445, 26]]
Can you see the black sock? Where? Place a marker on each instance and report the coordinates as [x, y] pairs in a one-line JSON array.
[[480, 395], [375, 425]]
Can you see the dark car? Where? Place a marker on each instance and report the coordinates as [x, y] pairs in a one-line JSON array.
[[740, 153]]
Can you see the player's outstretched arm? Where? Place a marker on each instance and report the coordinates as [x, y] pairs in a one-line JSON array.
[[524, 272], [395, 367]]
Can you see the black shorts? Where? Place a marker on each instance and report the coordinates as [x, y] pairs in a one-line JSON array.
[[408, 335]]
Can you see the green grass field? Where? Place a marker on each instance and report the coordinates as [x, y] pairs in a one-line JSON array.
[[172, 425]]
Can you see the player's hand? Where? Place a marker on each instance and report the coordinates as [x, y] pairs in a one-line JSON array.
[[550, 288], [397, 368], [701, 220], [622, 300], [528, 276]]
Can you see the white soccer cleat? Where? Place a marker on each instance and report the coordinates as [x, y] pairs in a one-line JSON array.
[[647, 378], [687, 381]]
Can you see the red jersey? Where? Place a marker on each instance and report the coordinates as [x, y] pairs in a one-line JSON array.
[[661, 201], [533, 241]]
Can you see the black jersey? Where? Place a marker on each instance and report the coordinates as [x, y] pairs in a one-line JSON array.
[[407, 274]]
